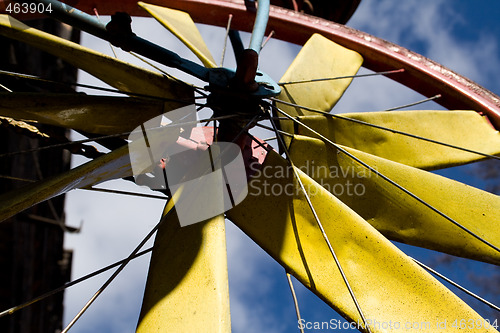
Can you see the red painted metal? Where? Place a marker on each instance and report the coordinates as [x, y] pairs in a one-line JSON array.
[[421, 74]]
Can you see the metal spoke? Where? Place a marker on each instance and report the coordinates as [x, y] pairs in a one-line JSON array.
[[64, 227], [115, 274], [342, 77], [214, 139], [415, 103], [295, 300], [268, 38], [198, 89], [320, 225], [135, 194], [74, 84], [345, 152], [267, 148], [361, 122], [465, 290], [228, 28], [16, 308], [4, 87], [271, 129], [110, 45], [236, 43], [69, 143]]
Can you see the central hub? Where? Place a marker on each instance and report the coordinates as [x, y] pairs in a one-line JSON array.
[[240, 91]]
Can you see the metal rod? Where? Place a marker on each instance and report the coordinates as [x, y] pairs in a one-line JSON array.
[[69, 284], [236, 43], [491, 305], [135, 194], [4, 87], [115, 274], [224, 47], [268, 38], [131, 42], [295, 300], [260, 144], [117, 91], [260, 25], [415, 103], [342, 77], [110, 45], [97, 138]]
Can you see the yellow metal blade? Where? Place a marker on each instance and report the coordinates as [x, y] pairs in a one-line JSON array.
[[388, 285], [466, 129], [187, 288], [183, 27], [393, 212], [319, 58], [119, 74], [110, 166], [113, 165], [92, 114]]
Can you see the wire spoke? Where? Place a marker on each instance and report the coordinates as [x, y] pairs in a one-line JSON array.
[[74, 84], [415, 103], [214, 138], [465, 290], [271, 129], [115, 274], [267, 148], [105, 190], [69, 143], [198, 89], [342, 77], [228, 28], [110, 45], [16, 308], [361, 122], [268, 38], [4, 87], [345, 152], [295, 300], [320, 225]]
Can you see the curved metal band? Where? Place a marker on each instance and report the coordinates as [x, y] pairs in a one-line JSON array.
[[421, 74]]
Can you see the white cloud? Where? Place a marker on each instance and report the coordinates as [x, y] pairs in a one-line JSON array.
[[433, 29]]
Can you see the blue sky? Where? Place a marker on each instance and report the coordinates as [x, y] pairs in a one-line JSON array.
[[461, 34]]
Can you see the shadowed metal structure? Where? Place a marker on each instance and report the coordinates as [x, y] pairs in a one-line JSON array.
[[32, 258]]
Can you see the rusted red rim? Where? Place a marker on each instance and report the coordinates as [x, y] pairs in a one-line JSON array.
[[421, 74]]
